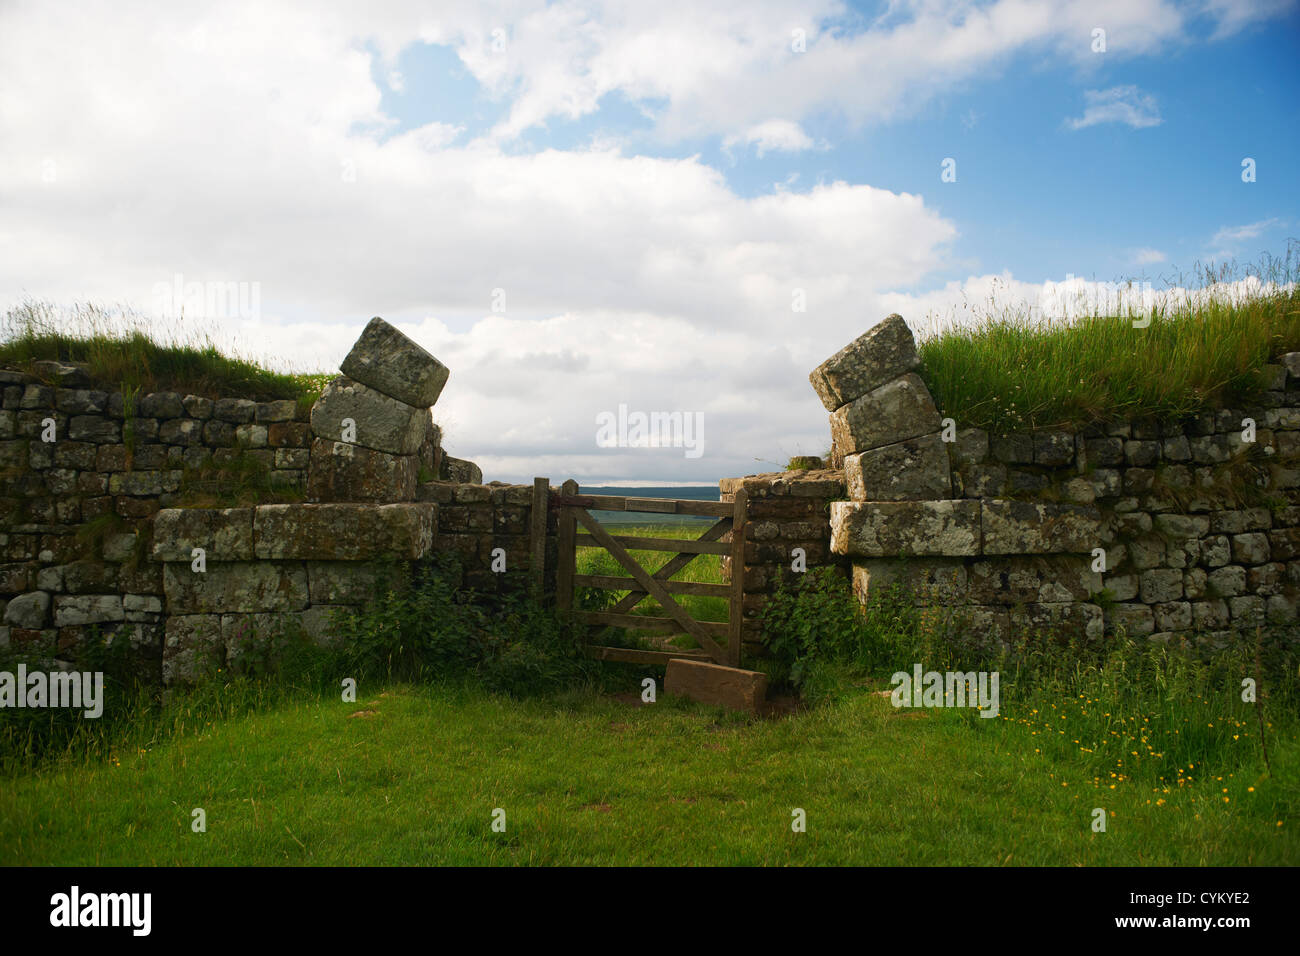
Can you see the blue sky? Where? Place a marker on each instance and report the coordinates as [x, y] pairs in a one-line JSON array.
[[611, 203]]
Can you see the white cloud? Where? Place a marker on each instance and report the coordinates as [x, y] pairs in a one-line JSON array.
[[1233, 234], [1119, 104], [1147, 256], [774, 135]]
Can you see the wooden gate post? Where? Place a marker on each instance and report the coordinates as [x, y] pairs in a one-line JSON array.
[[567, 558], [736, 617], [537, 531]]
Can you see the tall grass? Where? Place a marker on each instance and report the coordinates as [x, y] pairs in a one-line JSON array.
[[1200, 352], [1111, 710], [121, 350]]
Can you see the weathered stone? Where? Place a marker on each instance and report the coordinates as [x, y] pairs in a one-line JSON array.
[[880, 355], [239, 411], [1057, 618], [160, 405], [181, 431], [1237, 522], [144, 483], [382, 423], [296, 458], [343, 472], [1208, 615], [1136, 619], [984, 481], [93, 428], [119, 546], [1194, 582], [971, 446], [30, 610], [197, 407], [80, 401], [1053, 448], [1122, 587], [244, 586], [347, 532], [1173, 616], [926, 581], [913, 470], [78, 609], [1160, 585], [714, 684], [1247, 610], [1017, 579], [1226, 582], [281, 410], [1013, 449], [353, 582], [1019, 527], [225, 534], [386, 360], [192, 647], [1182, 526], [905, 528], [1250, 548], [894, 412], [461, 471]]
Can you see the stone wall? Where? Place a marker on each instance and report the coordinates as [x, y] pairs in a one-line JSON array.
[[1177, 529], [111, 517]]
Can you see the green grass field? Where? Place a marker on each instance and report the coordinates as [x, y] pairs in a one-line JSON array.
[[412, 775]]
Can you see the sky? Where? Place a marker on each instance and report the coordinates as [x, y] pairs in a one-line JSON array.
[[668, 207]]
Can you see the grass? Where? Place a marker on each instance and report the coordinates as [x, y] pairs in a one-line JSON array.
[[704, 569], [120, 351], [1199, 354], [410, 776]]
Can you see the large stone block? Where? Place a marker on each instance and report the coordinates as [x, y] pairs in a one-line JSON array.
[[387, 361], [344, 532], [714, 684], [71, 610], [461, 471], [1021, 527], [1019, 579], [912, 470], [382, 423], [888, 529], [341, 472], [353, 582], [236, 586], [225, 534], [922, 580], [192, 647], [879, 355], [895, 412]]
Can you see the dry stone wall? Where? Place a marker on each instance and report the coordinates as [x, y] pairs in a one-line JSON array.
[[100, 531], [1171, 530]]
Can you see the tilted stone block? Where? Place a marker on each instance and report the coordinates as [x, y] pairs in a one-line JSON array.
[[386, 360], [344, 532], [382, 423], [1021, 527], [905, 528], [224, 534], [880, 355], [894, 412], [236, 586], [342, 472], [460, 470], [913, 470]]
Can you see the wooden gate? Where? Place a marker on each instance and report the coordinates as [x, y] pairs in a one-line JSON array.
[[719, 642]]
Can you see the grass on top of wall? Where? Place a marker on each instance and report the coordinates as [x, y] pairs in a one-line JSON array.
[[122, 351], [1200, 353]]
